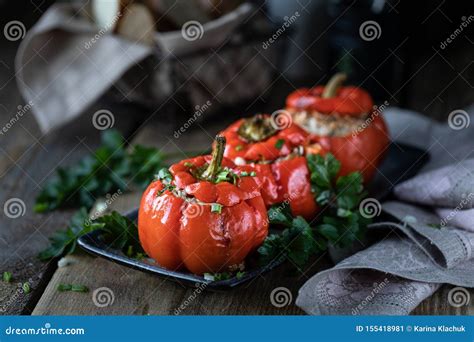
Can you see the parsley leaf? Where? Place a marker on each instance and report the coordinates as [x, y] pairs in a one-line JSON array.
[[110, 168], [119, 231], [339, 197], [340, 222], [64, 241], [279, 143], [297, 243]]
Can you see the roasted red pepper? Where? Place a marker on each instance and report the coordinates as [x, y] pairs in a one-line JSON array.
[[343, 121], [273, 147], [205, 214]]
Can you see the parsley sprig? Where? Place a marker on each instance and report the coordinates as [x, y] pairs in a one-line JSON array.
[[339, 223], [119, 231], [110, 168]]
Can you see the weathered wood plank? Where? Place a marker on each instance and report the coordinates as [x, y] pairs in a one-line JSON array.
[[438, 304], [21, 238]]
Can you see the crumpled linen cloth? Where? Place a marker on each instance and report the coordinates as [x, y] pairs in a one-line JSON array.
[[430, 240], [65, 63]]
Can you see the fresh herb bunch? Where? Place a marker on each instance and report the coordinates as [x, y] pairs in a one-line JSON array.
[[339, 198], [340, 223], [110, 168], [121, 233], [296, 243]]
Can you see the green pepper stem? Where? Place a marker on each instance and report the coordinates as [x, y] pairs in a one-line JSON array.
[[216, 161], [334, 83]]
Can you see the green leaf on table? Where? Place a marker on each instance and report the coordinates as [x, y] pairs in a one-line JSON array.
[[7, 277], [72, 288], [110, 168], [120, 232], [64, 241], [339, 198], [296, 243], [144, 162]]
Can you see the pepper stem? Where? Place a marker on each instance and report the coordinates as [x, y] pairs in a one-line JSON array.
[[216, 161], [256, 128], [334, 83]]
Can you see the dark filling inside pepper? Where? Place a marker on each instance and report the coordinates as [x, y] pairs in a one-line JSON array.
[[256, 128]]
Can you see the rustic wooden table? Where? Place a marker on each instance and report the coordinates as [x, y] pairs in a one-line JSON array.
[[28, 159], [135, 292]]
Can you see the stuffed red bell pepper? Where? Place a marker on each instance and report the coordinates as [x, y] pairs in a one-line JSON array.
[[344, 122], [273, 147], [204, 214]]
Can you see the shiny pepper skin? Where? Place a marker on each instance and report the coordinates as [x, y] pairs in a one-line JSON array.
[[284, 176], [361, 149], [185, 232]]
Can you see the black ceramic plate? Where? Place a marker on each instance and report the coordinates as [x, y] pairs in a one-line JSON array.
[[402, 162]]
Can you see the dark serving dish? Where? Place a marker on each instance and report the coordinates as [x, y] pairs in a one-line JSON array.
[[402, 162]]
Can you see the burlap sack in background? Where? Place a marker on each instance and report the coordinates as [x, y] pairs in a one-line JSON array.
[[65, 63]]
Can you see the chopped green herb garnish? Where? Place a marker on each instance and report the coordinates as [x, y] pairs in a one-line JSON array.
[[164, 175], [216, 208], [73, 288], [279, 144], [253, 174], [7, 276], [239, 148], [26, 287], [240, 274], [188, 164], [64, 287], [217, 276], [79, 288]]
